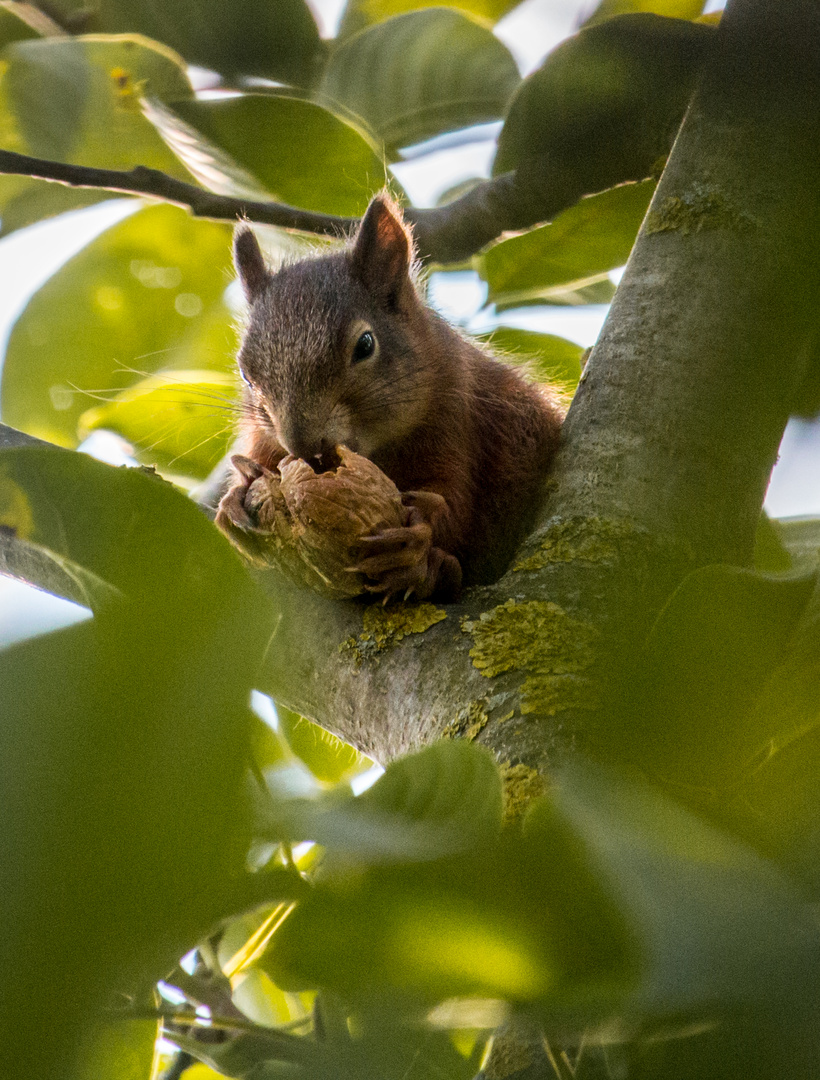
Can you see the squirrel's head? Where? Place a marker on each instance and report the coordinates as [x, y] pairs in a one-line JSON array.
[[331, 353]]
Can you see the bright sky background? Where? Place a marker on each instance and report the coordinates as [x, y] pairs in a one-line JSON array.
[[30, 256]]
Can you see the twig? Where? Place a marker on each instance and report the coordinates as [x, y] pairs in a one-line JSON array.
[[159, 185], [445, 234]]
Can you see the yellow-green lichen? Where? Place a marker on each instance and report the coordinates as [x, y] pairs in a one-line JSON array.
[[538, 638], [704, 207], [590, 540], [521, 786], [384, 627], [468, 722]]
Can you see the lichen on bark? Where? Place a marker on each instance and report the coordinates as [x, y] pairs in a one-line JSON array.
[[538, 638], [385, 627]]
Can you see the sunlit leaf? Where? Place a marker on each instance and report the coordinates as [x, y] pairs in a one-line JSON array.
[[119, 1050], [308, 157], [251, 37], [675, 9], [328, 758], [605, 105], [589, 239], [420, 74], [114, 313], [360, 13], [79, 100], [180, 421], [551, 359]]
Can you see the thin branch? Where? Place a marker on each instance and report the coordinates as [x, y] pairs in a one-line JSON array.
[[158, 185], [445, 234]]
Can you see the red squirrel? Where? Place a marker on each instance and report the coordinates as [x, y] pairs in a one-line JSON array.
[[340, 349]]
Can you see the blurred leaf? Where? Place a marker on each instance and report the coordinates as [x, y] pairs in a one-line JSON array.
[[693, 715], [79, 100], [111, 315], [590, 238], [605, 105], [359, 13], [122, 525], [251, 37], [801, 539], [777, 809], [445, 798], [328, 758], [452, 782], [308, 157], [771, 555], [124, 746], [552, 359], [515, 919], [674, 9], [119, 1050], [718, 926], [419, 74], [180, 421]]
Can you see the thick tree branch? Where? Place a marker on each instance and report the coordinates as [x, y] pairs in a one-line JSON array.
[[666, 452]]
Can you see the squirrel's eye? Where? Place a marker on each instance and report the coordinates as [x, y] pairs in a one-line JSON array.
[[364, 347]]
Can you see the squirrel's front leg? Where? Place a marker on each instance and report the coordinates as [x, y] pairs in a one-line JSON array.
[[406, 560]]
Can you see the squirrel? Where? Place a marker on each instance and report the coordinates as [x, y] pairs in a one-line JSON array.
[[341, 349]]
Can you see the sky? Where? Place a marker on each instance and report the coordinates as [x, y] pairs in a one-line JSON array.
[[30, 256]]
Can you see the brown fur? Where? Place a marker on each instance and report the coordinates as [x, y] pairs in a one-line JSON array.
[[433, 411]]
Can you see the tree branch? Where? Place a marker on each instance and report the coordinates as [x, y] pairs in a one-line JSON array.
[[666, 451], [444, 234]]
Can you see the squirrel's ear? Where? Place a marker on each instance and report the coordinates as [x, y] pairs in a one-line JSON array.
[[249, 263], [383, 250]]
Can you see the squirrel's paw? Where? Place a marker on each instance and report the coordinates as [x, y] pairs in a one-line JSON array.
[[244, 509], [404, 561]]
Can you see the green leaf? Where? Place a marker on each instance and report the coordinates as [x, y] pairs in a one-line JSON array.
[[520, 919], [453, 783], [328, 758], [419, 74], [694, 714], [444, 799], [183, 422], [801, 539], [121, 525], [771, 555], [114, 313], [251, 37], [308, 157], [79, 100], [718, 926], [360, 13], [551, 359], [605, 105], [119, 1050], [122, 750], [673, 9], [589, 239]]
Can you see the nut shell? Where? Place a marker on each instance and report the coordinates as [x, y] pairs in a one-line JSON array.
[[311, 524]]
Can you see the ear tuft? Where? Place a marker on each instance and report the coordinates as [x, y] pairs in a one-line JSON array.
[[383, 249], [249, 263]]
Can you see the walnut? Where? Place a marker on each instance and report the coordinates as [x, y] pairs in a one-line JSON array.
[[310, 524]]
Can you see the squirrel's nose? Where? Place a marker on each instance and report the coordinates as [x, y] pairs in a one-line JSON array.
[[302, 442]]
